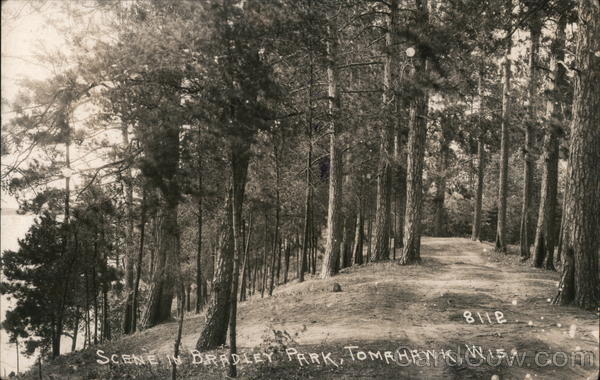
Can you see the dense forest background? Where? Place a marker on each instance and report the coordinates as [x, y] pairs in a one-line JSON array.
[[186, 155]]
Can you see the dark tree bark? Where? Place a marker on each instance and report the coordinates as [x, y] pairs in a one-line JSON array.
[[276, 249], [129, 246], [138, 271], [370, 235], [75, 330], [95, 292], [286, 268], [580, 283], [476, 231], [278, 276], [332, 247], [199, 293], [545, 236], [264, 257], [381, 251], [245, 272], [439, 217], [399, 187], [414, 191], [239, 166], [163, 279], [500, 245], [224, 289], [476, 234], [415, 156], [357, 249], [528, 154]]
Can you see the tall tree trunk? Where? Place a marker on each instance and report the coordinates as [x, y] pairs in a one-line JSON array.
[[528, 154], [106, 333], [275, 250], [225, 279], [87, 337], [357, 248], [199, 293], [255, 274], [415, 156], [75, 331], [381, 250], [286, 264], [580, 284], [545, 236], [264, 257], [129, 246], [240, 156], [314, 239], [245, 260], [439, 219], [307, 202], [163, 278], [399, 187], [95, 292], [476, 235], [500, 245], [369, 234], [332, 246], [476, 231], [138, 271]]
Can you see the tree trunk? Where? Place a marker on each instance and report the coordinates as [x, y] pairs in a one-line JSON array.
[[75, 331], [439, 219], [95, 289], [163, 279], [245, 260], [400, 188], [167, 265], [87, 338], [274, 254], [57, 334], [528, 156], [255, 274], [240, 156], [415, 156], [332, 247], [381, 250], [476, 231], [218, 313], [476, 235], [129, 246], [370, 235], [580, 283], [199, 293], [138, 271], [106, 333], [286, 264], [414, 189], [179, 332], [357, 249], [264, 258], [500, 245], [545, 236]]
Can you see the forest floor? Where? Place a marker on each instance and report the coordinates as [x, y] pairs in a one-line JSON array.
[[385, 307]]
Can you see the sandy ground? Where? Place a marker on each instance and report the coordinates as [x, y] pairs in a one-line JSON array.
[[385, 306]]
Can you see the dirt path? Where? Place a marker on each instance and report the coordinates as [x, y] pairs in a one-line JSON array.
[[422, 307]]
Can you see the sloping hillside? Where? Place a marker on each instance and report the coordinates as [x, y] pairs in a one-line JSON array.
[[385, 307]]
